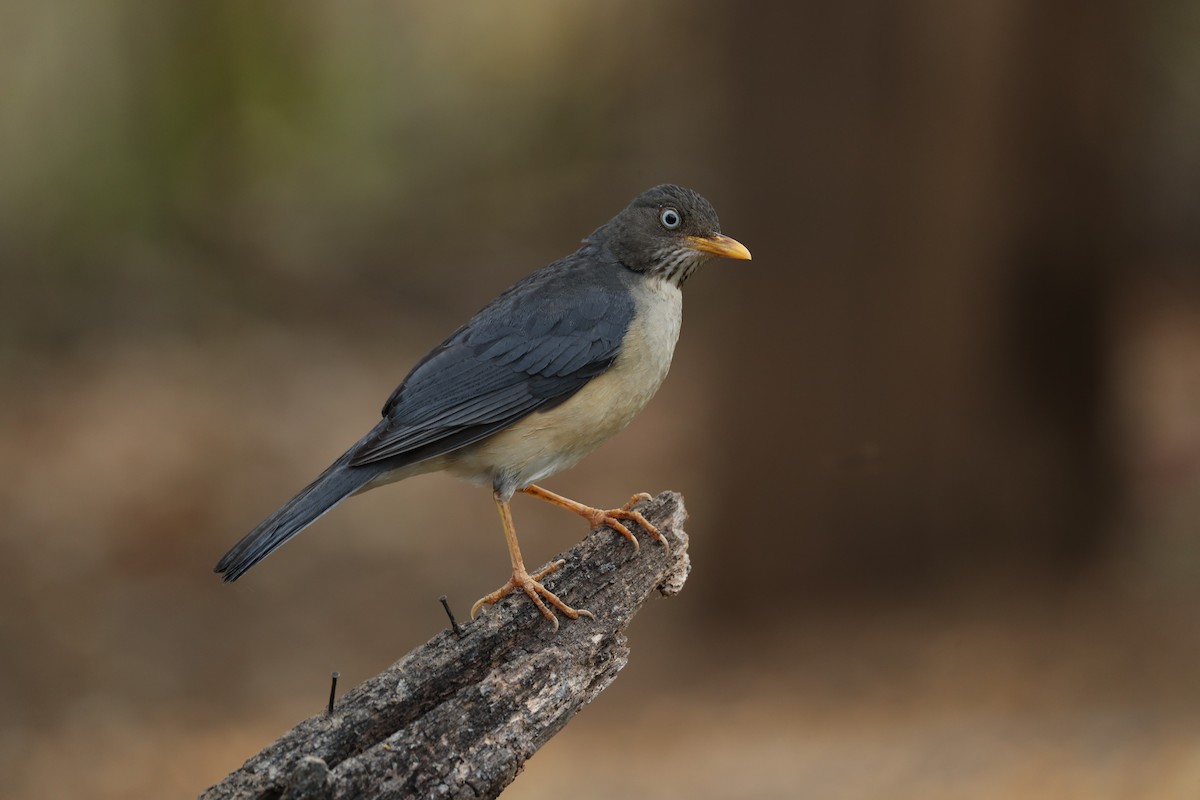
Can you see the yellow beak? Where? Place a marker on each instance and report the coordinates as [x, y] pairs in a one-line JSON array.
[[719, 245]]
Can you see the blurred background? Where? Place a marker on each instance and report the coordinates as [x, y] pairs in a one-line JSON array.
[[940, 440]]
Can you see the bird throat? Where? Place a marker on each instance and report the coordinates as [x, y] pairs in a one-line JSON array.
[[675, 266]]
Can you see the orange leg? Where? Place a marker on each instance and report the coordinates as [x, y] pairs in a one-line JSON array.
[[521, 579], [597, 517]]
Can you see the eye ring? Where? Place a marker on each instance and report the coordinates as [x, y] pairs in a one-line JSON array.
[[670, 218]]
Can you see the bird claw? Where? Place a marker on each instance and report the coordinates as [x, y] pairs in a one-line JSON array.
[[640, 497], [531, 585], [612, 519], [609, 519]]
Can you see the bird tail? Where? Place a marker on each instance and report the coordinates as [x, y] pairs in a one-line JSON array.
[[331, 487]]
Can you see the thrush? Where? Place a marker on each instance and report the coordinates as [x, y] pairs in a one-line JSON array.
[[540, 377]]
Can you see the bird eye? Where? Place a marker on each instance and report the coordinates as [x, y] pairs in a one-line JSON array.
[[670, 218]]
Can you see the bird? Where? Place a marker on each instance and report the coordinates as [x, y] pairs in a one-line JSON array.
[[540, 377]]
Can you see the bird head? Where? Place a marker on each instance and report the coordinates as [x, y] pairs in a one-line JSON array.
[[667, 232]]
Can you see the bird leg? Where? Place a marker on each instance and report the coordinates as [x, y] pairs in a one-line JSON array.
[[597, 517], [521, 579]]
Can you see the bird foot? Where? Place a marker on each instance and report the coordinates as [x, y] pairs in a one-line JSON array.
[[531, 585], [612, 519]]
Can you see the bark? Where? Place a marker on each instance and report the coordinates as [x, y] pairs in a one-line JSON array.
[[459, 715]]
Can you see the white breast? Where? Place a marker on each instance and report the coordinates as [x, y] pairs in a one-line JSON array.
[[547, 442]]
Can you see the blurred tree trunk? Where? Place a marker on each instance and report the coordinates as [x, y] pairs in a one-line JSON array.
[[950, 176]]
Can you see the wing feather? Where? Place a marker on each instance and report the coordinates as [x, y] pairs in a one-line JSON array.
[[530, 349]]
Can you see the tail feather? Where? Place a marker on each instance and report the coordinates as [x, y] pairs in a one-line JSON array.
[[333, 486]]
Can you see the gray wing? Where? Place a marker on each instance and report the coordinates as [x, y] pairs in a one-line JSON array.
[[531, 348]]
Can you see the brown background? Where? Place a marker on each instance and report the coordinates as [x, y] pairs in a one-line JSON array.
[[940, 439]]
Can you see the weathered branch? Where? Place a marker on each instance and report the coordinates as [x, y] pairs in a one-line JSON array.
[[458, 717]]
